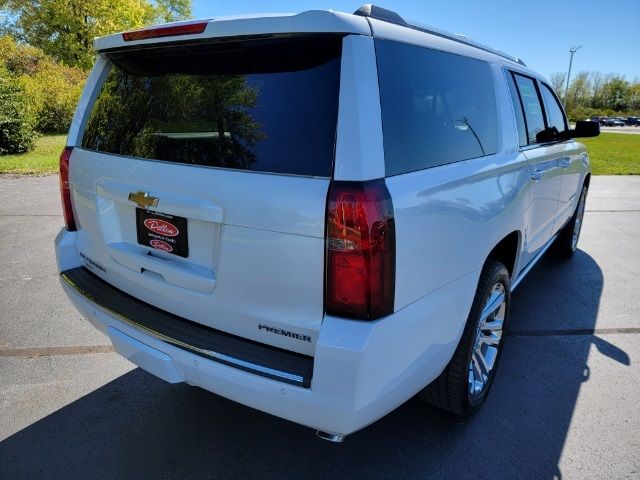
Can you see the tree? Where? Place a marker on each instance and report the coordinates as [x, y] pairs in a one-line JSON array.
[[557, 80], [65, 29], [615, 95], [16, 126], [51, 89], [597, 83], [634, 95], [579, 91], [592, 93]]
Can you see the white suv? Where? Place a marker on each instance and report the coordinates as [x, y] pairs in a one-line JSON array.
[[317, 215]]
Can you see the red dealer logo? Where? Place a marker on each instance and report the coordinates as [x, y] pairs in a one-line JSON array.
[[160, 245], [162, 227]]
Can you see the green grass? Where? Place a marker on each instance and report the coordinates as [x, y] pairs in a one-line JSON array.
[[610, 153], [42, 160], [614, 153]]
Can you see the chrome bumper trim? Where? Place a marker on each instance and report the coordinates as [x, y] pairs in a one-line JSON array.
[[210, 354]]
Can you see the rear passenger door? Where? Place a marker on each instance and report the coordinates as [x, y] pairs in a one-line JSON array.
[[569, 159], [544, 162]]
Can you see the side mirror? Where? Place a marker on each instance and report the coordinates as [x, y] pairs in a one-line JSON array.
[[549, 135], [583, 129]]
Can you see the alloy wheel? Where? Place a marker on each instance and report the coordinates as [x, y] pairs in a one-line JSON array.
[[487, 340]]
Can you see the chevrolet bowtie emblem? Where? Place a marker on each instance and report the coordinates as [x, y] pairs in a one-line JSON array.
[[143, 199]]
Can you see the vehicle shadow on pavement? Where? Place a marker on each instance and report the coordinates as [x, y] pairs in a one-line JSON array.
[[140, 427]]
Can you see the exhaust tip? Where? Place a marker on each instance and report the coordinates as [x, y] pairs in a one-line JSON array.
[[330, 437]]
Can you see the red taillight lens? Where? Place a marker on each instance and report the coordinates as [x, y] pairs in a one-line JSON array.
[[169, 31], [360, 250], [65, 192]]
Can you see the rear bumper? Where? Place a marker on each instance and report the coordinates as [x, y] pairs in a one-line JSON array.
[[361, 370], [257, 358]]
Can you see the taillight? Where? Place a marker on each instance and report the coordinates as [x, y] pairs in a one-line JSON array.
[[65, 192], [360, 250], [168, 31]]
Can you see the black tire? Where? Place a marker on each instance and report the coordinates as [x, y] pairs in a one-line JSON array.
[[564, 247], [451, 390]]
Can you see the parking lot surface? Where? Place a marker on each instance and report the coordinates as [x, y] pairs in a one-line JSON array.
[[632, 130], [565, 404]]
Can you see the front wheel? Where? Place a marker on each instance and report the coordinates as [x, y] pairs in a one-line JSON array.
[[567, 242], [465, 383]]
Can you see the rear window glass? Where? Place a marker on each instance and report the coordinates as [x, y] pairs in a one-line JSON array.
[[263, 105], [437, 107]]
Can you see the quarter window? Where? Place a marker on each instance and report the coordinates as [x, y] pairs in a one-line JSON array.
[[517, 108], [555, 117], [437, 107], [531, 105]]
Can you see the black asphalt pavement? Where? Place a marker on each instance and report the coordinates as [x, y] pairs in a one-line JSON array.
[[565, 404]]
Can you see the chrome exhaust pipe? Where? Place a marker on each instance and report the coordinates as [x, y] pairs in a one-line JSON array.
[[330, 437]]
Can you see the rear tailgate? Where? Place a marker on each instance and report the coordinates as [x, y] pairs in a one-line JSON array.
[[201, 181]]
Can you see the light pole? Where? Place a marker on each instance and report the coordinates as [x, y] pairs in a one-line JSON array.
[[572, 50]]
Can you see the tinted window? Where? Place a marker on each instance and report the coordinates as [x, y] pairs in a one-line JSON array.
[[531, 105], [517, 108], [555, 117], [265, 105], [437, 108]]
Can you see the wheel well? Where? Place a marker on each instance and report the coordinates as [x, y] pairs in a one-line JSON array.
[[587, 179], [506, 251]]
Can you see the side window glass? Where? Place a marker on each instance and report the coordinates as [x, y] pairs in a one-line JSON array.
[[531, 106], [437, 107], [517, 108], [555, 116]]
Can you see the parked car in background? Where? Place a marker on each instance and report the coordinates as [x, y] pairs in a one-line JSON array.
[[610, 122], [633, 121], [317, 215], [618, 122]]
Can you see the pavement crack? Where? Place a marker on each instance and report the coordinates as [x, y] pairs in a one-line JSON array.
[[573, 332], [29, 215]]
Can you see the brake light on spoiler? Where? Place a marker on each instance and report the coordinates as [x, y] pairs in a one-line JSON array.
[[167, 31]]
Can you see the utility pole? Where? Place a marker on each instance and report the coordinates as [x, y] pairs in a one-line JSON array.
[[572, 50]]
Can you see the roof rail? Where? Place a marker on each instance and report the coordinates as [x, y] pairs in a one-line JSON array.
[[379, 13]]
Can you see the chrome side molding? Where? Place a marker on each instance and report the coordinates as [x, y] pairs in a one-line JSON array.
[[330, 437], [532, 263]]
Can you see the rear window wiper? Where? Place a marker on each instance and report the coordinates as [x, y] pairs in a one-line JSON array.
[[189, 135]]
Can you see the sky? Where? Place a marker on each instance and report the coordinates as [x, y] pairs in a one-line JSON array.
[[540, 33]]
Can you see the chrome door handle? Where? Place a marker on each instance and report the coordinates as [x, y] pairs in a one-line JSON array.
[[537, 175]]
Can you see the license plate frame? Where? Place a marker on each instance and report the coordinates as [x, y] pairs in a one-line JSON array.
[[162, 231]]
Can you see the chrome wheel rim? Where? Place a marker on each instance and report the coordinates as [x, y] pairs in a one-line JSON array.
[[578, 222], [484, 350]]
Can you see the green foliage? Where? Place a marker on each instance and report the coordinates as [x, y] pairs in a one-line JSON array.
[[51, 90], [614, 153], [41, 160], [65, 29], [16, 125], [591, 93]]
